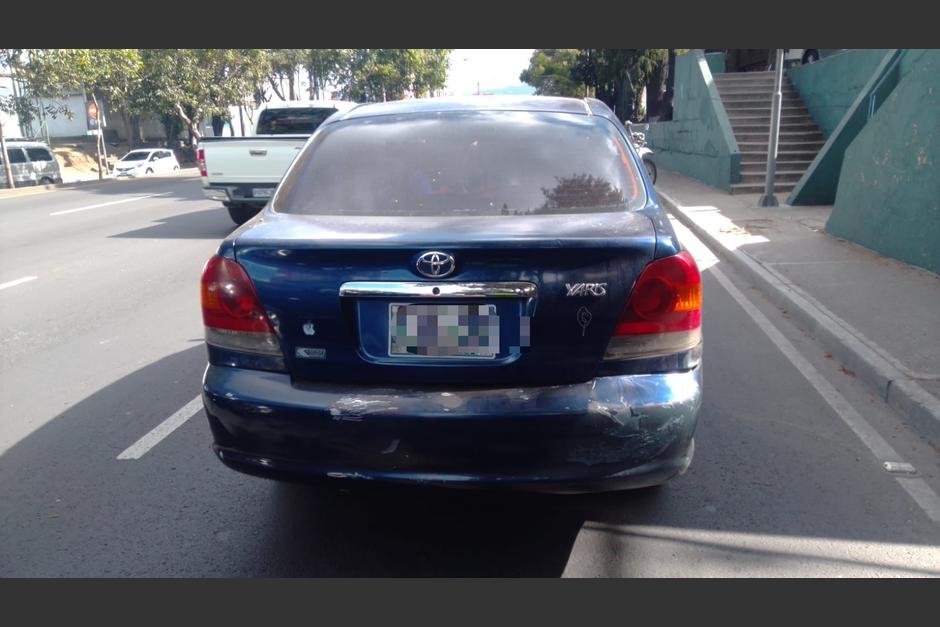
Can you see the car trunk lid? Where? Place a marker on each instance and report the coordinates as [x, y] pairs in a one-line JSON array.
[[572, 274]]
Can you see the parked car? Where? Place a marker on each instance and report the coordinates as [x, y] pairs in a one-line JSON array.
[[477, 292], [242, 172], [32, 163], [146, 161]]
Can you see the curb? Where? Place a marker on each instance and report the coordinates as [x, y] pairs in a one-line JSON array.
[[854, 350], [39, 189]]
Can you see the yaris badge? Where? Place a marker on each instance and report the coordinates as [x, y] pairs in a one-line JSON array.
[[435, 265]]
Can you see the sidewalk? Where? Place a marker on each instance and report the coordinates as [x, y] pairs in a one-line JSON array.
[[878, 316]]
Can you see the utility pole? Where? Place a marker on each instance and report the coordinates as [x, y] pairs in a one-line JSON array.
[[6, 158], [768, 199]]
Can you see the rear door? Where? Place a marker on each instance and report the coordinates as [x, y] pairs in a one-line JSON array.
[[164, 161], [461, 249]]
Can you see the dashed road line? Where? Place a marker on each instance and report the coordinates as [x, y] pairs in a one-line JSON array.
[[15, 282], [139, 448], [104, 204]]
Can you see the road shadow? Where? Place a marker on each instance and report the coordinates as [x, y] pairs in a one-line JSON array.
[[394, 531], [206, 224], [183, 187], [70, 508]]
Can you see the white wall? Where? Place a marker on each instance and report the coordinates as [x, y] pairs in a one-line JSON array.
[[10, 123], [62, 125]]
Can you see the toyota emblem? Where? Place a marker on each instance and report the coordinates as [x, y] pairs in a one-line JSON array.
[[436, 265]]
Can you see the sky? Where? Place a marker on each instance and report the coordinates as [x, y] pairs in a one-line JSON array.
[[492, 68]]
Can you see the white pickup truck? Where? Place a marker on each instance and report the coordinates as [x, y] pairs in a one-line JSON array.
[[243, 172]]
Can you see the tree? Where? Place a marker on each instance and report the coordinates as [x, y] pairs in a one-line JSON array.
[[284, 63], [550, 71], [429, 71], [195, 83], [379, 74], [325, 66], [111, 74], [616, 76]]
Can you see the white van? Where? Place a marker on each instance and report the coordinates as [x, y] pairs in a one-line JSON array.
[[32, 163]]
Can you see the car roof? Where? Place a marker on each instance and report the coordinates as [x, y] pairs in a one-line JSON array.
[[26, 143], [341, 105], [547, 104]]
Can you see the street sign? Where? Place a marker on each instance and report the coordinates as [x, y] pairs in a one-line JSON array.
[[91, 110], [93, 116]]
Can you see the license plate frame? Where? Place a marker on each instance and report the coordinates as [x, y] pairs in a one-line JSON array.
[[262, 192], [472, 348]]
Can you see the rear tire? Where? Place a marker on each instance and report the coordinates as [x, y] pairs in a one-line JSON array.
[[46, 181], [242, 213], [650, 169], [810, 56], [149, 171]]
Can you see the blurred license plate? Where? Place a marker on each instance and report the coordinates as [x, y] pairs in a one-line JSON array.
[[262, 192], [419, 330]]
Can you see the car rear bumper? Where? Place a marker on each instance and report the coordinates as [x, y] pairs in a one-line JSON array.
[[609, 433], [240, 194]]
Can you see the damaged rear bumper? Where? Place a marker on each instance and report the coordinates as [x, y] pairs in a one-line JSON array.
[[609, 433]]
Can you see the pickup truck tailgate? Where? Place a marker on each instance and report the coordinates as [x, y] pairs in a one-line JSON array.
[[250, 159]]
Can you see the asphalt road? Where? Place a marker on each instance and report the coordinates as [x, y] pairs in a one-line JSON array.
[[105, 343]]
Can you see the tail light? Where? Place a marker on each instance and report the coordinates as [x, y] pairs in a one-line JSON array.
[[664, 313], [201, 162], [231, 311]]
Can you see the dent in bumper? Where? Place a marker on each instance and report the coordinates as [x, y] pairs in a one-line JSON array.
[[611, 432]]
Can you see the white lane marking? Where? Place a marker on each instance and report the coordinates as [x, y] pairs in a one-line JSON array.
[[918, 489], [15, 282], [165, 428], [104, 204]]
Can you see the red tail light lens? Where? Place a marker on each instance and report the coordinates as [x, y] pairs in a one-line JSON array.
[[664, 312], [201, 162], [231, 311]]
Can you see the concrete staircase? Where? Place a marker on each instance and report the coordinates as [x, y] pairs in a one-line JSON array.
[[747, 97]]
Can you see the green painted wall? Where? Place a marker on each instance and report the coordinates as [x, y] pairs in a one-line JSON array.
[[698, 142], [820, 181], [716, 62], [888, 197], [818, 184], [829, 87]]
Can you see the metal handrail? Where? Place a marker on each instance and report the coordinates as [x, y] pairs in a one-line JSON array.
[[872, 97]]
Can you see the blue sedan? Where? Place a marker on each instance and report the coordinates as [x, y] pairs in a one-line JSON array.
[[475, 292]]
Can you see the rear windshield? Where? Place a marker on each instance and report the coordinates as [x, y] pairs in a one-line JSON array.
[[135, 156], [294, 121], [464, 163]]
